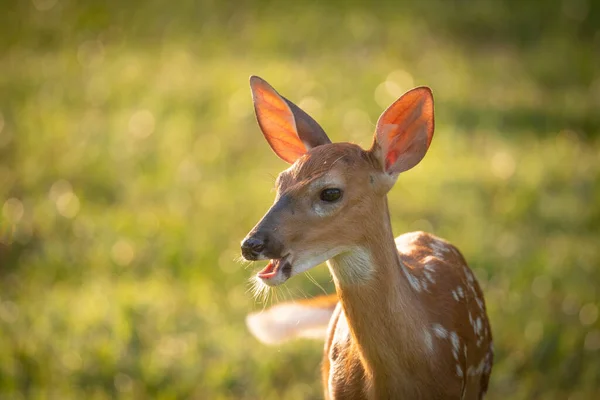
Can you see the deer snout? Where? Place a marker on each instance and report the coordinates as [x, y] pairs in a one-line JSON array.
[[252, 247], [260, 246]]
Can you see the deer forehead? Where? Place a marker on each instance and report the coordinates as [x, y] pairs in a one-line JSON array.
[[286, 183], [327, 165]]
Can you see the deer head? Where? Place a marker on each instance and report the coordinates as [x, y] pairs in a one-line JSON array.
[[333, 196]]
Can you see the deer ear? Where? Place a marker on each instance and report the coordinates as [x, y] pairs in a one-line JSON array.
[[404, 131], [290, 131]]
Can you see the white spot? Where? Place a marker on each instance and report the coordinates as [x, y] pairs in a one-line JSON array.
[[476, 370], [429, 260], [440, 331], [455, 295], [459, 370], [472, 289], [460, 291], [469, 275], [479, 302], [428, 339], [439, 248], [405, 243], [478, 325], [455, 344], [488, 366], [428, 276], [414, 282]]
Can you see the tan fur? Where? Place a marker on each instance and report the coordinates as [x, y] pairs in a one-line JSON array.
[[389, 355], [411, 321], [383, 354]]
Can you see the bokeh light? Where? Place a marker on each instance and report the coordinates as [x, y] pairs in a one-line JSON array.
[[131, 166]]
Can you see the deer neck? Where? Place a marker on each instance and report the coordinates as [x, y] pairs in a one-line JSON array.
[[380, 305]]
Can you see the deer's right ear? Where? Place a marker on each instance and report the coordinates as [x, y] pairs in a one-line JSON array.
[[290, 131]]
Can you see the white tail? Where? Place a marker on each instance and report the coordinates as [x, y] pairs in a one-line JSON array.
[[304, 319], [411, 320]]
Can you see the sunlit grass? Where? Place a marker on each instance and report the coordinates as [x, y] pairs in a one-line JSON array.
[[130, 171]]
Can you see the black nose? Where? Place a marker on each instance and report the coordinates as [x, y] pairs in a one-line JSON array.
[[252, 247]]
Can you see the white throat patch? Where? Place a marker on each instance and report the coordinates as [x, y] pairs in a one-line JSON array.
[[352, 267]]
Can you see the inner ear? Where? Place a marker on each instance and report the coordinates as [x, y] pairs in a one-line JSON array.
[[288, 129], [404, 131]]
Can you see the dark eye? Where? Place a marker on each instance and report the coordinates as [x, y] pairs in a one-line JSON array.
[[331, 195]]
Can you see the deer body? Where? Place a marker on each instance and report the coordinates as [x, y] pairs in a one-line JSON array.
[[405, 333], [409, 319]]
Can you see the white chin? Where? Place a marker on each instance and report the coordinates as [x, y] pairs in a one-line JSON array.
[[274, 281]]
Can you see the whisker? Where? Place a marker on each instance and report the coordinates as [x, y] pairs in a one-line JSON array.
[[248, 265], [313, 280], [290, 293], [245, 263], [241, 260], [259, 290], [270, 175], [303, 293], [268, 296]]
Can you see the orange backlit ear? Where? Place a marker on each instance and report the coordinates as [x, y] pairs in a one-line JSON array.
[[289, 130], [404, 131]]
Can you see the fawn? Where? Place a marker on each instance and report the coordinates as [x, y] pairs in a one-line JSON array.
[[408, 320]]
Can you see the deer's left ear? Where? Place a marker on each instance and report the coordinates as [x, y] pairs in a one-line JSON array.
[[404, 131], [289, 130]]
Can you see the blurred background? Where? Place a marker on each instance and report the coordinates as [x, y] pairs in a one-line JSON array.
[[131, 166]]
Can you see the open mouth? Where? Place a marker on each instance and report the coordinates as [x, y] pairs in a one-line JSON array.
[[273, 268]]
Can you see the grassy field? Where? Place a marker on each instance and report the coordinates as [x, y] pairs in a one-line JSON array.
[[131, 167]]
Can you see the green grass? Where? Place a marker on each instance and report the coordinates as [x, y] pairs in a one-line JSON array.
[[131, 167]]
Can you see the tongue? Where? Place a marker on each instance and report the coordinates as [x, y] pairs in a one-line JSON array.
[[270, 270]]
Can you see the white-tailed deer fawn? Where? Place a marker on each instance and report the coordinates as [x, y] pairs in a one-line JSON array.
[[409, 319]]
